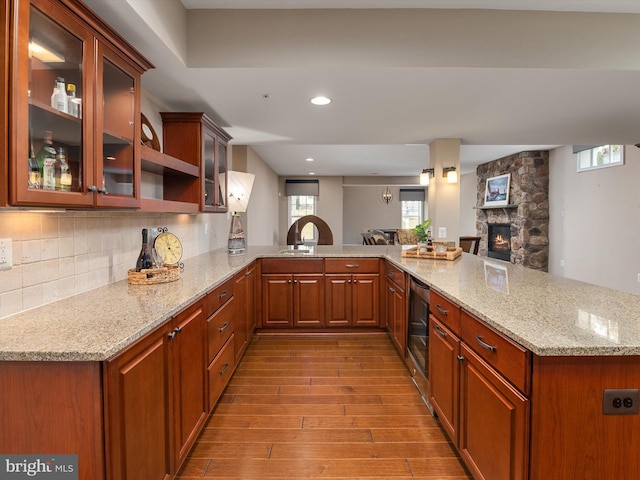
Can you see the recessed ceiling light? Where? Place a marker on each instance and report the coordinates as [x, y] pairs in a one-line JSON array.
[[312, 173], [321, 100], [309, 159]]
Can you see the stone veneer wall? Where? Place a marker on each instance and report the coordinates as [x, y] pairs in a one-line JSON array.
[[529, 218]]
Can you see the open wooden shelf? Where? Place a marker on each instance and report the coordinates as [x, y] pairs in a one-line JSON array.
[[157, 162]]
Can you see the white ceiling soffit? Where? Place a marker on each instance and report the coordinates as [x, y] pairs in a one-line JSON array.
[[629, 6], [518, 89]]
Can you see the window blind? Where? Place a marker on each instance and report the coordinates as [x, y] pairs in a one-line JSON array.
[[302, 187], [412, 195]]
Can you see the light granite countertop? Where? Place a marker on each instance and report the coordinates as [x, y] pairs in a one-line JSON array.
[[549, 315]]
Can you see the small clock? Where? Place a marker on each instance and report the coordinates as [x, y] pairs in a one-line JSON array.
[[168, 247]]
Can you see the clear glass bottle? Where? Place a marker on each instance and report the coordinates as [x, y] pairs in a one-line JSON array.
[[35, 179], [144, 258], [46, 159], [63, 174], [73, 101]]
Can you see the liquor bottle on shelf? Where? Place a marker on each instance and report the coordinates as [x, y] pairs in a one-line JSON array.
[[73, 101], [59, 99], [47, 159], [63, 174], [35, 180], [144, 259]]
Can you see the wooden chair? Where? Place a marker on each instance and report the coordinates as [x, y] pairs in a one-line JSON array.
[[325, 237], [379, 238], [407, 237], [367, 239], [470, 244]]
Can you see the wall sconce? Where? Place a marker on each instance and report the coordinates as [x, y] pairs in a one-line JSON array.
[[387, 196], [451, 174], [426, 174]]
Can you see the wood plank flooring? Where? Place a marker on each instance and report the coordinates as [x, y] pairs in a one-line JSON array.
[[325, 407]]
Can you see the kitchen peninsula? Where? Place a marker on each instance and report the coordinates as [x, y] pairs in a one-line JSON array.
[[579, 341]]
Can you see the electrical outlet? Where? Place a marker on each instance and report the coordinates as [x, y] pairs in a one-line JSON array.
[[621, 402], [639, 278], [442, 232], [6, 254]]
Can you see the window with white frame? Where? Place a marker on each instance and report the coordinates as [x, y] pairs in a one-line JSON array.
[[412, 207], [599, 157], [299, 206]]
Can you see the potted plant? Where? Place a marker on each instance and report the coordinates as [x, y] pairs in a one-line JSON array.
[[422, 231]]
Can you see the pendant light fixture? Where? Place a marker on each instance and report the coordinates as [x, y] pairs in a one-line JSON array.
[[387, 196]]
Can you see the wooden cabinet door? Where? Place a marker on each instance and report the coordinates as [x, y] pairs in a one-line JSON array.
[[444, 376], [242, 312], [366, 300], [396, 316], [251, 298], [308, 295], [187, 349], [277, 300], [494, 423], [138, 409], [338, 300]]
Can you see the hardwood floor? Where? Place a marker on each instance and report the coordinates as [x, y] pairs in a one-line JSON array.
[[329, 407]]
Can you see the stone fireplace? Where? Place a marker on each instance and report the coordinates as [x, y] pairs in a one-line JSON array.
[[525, 220], [499, 241]]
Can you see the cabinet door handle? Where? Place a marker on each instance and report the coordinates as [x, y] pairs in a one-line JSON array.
[[352, 265], [248, 273], [295, 281], [288, 281], [442, 310], [224, 326], [491, 348], [439, 331], [391, 289], [178, 329], [224, 370], [172, 335], [355, 281], [460, 358], [223, 294]]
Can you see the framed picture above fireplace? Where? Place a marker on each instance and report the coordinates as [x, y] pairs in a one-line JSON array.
[[497, 190]]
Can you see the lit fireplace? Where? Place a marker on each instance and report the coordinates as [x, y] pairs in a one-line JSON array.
[[499, 241]]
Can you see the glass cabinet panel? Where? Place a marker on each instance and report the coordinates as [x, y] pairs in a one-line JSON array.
[[209, 168], [55, 93], [221, 177], [118, 131]]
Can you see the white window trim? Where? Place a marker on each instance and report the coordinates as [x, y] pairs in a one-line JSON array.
[[598, 167]]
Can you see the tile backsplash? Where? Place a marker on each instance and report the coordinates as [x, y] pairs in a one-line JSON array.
[[60, 254]]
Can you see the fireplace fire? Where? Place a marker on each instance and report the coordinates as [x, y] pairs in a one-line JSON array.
[[499, 244]]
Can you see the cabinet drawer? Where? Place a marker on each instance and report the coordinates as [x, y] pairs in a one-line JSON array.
[[220, 326], [445, 311], [219, 295], [510, 359], [352, 265], [297, 265], [220, 371], [395, 274]]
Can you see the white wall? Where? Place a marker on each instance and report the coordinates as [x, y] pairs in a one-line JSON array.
[[262, 212], [468, 200], [595, 221], [364, 210]]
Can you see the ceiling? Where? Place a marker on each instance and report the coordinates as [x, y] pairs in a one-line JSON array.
[[501, 75]]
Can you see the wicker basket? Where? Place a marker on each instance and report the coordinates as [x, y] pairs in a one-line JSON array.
[[151, 276], [429, 251]]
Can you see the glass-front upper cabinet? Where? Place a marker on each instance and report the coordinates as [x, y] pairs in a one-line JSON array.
[[117, 180], [209, 168], [221, 176], [74, 115]]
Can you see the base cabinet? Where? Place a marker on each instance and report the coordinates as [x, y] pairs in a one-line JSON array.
[[396, 314], [244, 291], [494, 422], [155, 400], [444, 378]]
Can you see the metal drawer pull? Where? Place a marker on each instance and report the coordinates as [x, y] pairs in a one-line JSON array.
[[491, 348], [442, 310], [224, 370], [223, 327], [352, 265], [223, 294], [439, 331]]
